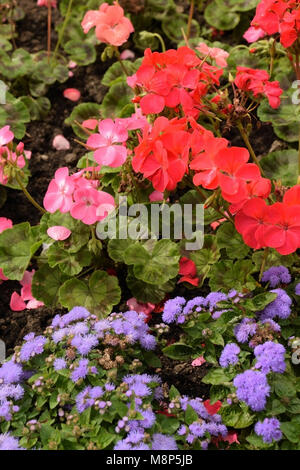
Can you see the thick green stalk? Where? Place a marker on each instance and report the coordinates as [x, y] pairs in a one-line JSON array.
[[61, 34]]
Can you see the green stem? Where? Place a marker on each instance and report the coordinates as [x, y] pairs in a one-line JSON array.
[[29, 197], [263, 264], [248, 145], [189, 25], [162, 42], [121, 61], [61, 34]]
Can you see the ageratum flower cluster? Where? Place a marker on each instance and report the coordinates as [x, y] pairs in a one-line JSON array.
[[83, 385]]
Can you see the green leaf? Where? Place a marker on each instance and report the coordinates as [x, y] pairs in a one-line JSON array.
[[17, 65], [238, 5], [281, 166], [80, 113], [172, 25], [231, 240], [227, 275], [216, 377], [294, 406], [160, 263], [190, 415], [291, 430], [104, 438], [151, 359], [260, 301], [179, 351], [17, 245], [38, 108], [257, 442], [168, 425], [82, 52], [14, 114], [273, 259], [284, 387], [237, 416], [99, 295], [80, 232], [217, 15], [115, 73], [46, 283], [118, 96], [145, 292], [285, 119], [116, 248], [69, 263]]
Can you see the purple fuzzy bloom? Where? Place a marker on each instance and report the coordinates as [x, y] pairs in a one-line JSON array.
[[197, 429], [182, 430], [8, 442], [277, 275], [122, 445], [252, 388], [96, 392], [246, 328], [148, 342], [272, 324], [149, 419], [59, 364], [77, 313], [32, 347], [163, 442], [10, 372], [59, 335], [85, 343], [269, 430], [229, 355], [173, 309], [297, 289], [109, 387], [212, 300], [81, 371], [83, 400], [194, 304], [270, 357], [280, 307]]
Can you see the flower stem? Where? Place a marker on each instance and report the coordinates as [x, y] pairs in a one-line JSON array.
[[49, 30], [29, 197], [189, 25], [61, 34], [121, 61], [248, 145], [263, 264]]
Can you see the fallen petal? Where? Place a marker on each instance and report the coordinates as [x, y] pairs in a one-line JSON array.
[[58, 232], [72, 94], [60, 143]]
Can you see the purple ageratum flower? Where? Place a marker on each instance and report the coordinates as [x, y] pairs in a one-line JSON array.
[[194, 304], [8, 442], [32, 347], [270, 357], [277, 275], [11, 391], [269, 430], [173, 309], [246, 328], [229, 355], [148, 342], [81, 371], [163, 442], [77, 313], [84, 343], [83, 400], [10, 372], [280, 307], [297, 289], [272, 324], [252, 388], [59, 364]]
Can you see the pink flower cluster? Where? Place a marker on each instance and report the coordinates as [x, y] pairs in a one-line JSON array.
[[112, 27], [79, 196], [10, 157], [109, 142]]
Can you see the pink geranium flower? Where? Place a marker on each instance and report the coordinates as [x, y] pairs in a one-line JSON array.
[[5, 224], [60, 191], [106, 143], [6, 135], [253, 34], [216, 53], [112, 27], [91, 205], [18, 302]]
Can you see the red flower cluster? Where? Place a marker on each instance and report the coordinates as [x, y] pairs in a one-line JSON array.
[[163, 153], [173, 78], [275, 226], [276, 16], [257, 82], [219, 166]]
